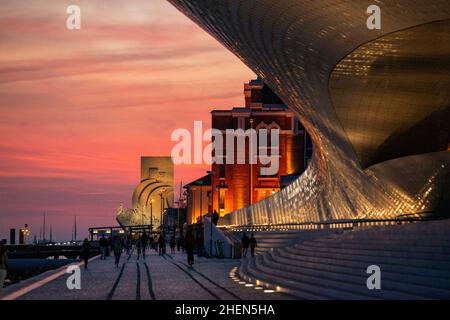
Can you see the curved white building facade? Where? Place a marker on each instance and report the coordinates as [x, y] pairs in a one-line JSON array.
[[375, 102]]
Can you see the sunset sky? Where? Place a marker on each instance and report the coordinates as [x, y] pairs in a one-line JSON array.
[[79, 107]]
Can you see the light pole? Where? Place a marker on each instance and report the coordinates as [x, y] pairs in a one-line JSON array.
[[210, 216], [151, 214], [250, 160], [162, 208], [201, 199], [143, 215]]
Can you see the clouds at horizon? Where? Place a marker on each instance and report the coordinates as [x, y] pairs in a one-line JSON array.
[[79, 108]]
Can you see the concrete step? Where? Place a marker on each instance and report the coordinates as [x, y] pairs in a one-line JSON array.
[[444, 244], [372, 259], [311, 291], [390, 282], [336, 288], [414, 261], [386, 246], [438, 274], [392, 237], [441, 261], [248, 272]]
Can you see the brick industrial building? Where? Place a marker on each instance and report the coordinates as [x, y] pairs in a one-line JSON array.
[[231, 185]]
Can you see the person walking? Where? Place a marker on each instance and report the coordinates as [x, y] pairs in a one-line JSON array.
[[85, 252], [245, 241], [252, 244], [155, 243], [103, 247], [138, 247], [3, 265], [144, 240], [126, 245], [109, 247], [178, 243], [189, 244], [162, 244], [150, 242], [215, 218], [182, 243], [173, 243], [117, 249]]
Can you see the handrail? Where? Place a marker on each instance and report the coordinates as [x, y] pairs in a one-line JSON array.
[[347, 223]]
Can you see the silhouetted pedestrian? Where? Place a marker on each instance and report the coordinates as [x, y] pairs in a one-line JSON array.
[[173, 243], [127, 244], [85, 252], [150, 242], [138, 247], [189, 244], [252, 244], [162, 244], [144, 243], [245, 241], [3, 265], [117, 249], [215, 218], [179, 243], [103, 247], [109, 247], [155, 243]]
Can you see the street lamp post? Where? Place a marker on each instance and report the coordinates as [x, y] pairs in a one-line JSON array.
[[210, 216], [201, 200], [143, 215], [250, 160], [151, 214], [162, 209]]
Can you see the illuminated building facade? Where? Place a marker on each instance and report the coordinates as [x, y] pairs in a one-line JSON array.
[[237, 186], [198, 196], [152, 195], [367, 98]]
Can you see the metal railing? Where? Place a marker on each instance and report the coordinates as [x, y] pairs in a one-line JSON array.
[[337, 224]]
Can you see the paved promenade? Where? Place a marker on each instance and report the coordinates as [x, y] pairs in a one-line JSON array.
[[155, 278]]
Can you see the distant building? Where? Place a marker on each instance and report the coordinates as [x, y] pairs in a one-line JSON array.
[[12, 236], [21, 236], [152, 195], [235, 186], [198, 196]]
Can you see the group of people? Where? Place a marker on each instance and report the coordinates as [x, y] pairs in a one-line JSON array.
[[118, 244], [187, 244], [115, 244]]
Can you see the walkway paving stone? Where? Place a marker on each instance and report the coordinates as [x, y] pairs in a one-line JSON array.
[[170, 279]]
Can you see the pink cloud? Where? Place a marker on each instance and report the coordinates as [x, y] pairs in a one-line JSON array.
[[77, 110]]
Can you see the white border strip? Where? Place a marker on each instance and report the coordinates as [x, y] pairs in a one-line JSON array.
[[58, 273]]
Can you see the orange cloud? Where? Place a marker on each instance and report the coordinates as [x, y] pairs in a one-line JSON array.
[[79, 108]]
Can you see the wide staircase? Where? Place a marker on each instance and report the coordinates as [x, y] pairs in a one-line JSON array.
[[414, 260]]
